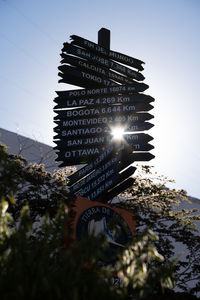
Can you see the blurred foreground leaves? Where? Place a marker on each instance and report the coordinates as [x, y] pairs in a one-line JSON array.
[[38, 258]]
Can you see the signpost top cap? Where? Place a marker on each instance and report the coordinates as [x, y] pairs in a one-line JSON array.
[[104, 38]]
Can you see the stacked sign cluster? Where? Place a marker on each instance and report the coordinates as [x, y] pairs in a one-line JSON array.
[[111, 96]]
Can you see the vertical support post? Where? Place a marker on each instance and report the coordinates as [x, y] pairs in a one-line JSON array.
[[104, 41], [104, 38]]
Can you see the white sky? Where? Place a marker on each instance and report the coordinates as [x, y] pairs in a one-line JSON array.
[[164, 34]]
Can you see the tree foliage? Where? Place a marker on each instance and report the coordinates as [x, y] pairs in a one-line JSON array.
[[36, 261], [157, 208]]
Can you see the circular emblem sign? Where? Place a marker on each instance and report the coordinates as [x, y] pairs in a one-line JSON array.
[[103, 219], [92, 218]]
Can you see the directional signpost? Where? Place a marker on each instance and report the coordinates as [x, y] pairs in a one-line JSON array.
[[110, 94]]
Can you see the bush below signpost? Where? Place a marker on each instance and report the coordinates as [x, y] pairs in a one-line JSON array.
[[34, 261]]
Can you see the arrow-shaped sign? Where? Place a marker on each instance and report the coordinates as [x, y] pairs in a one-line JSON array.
[[136, 146], [95, 173], [112, 163], [115, 191], [125, 59], [96, 182], [84, 156], [93, 193], [89, 67], [114, 90], [98, 131], [103, 100], [101, 61], [83, 78], [133, 139], [103, 111], [97, 121], [69, 72], [108, 151]]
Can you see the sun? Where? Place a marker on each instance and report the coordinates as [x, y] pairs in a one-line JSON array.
[[117, 133]]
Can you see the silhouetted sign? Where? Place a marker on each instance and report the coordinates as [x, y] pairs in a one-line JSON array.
[[112, 165], [143, 156], [117, 190], [102, 188], [89, 144], [104, 182], [116, 163], [95, 121], [125, 59], [95, 173], [117, 89], [84, 156], [133, 139], [108, 151], [99, 131], [84, 65], [139, 137], [107, 179], [140, 126], [102, 61], [105, 100], [81, 76], [102, 111], [112, 120]]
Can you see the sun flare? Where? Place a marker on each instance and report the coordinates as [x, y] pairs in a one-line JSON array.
[[117, 133]]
